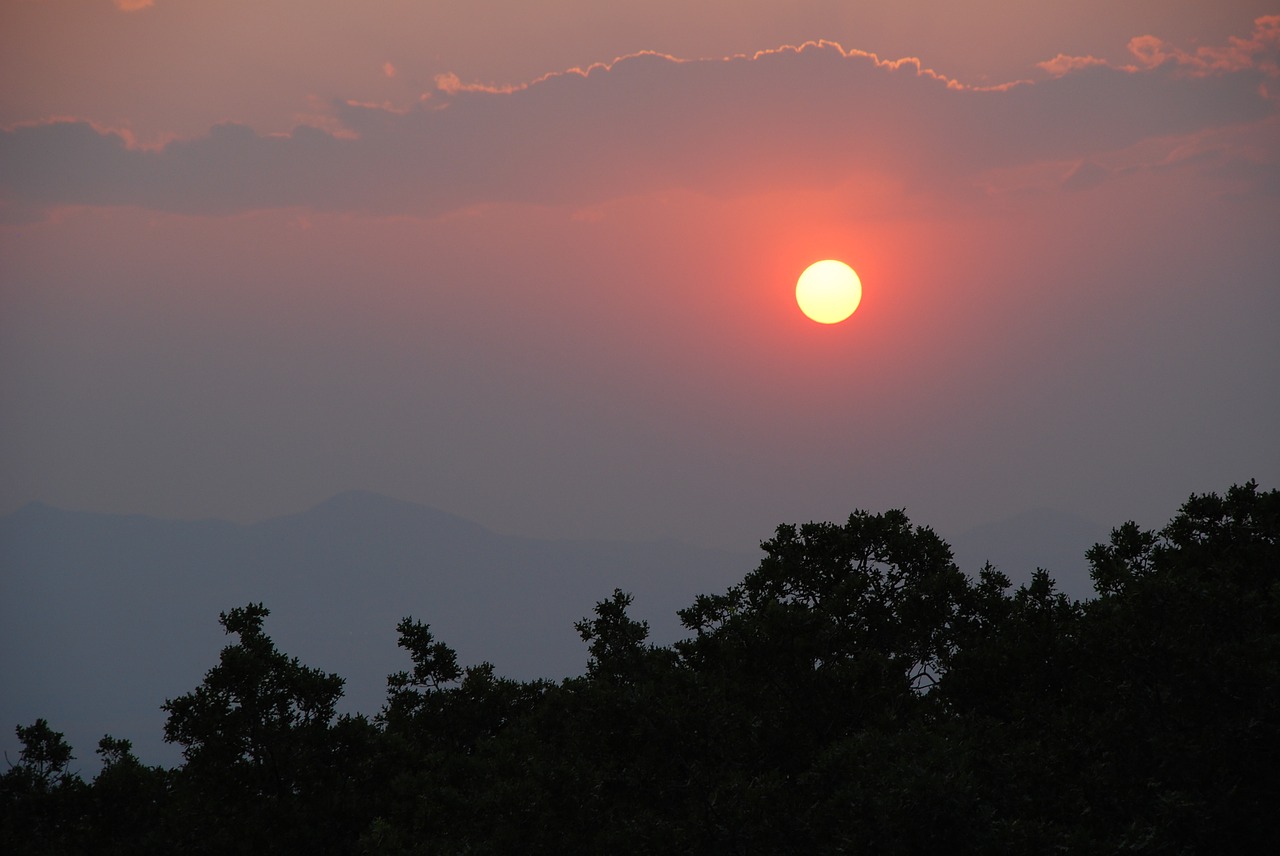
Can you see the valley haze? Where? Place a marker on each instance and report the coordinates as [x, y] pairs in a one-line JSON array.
[[103, 617]]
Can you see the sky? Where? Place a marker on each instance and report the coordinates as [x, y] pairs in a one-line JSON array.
[[533, 263]]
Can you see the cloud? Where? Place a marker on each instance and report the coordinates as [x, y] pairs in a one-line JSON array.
[[133, 5], [1260, 51], [811, 115], [1064, 64]]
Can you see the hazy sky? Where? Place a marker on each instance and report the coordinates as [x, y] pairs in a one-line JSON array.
[[534, 262]]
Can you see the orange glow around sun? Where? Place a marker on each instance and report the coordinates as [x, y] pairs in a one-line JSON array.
[[828, 291]]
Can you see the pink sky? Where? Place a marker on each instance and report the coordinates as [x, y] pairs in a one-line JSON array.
[[533, 263]]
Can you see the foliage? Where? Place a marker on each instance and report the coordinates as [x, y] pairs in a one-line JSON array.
[[267, 766], [855, 693], [42, 802]]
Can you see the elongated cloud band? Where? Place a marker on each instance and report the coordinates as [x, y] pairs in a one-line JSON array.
[[813, 114]]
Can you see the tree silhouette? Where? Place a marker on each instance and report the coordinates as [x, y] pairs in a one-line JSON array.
[[267, 766], [856, 692], [41, 801]]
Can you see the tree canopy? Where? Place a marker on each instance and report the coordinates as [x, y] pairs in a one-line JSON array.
[[857, 692]]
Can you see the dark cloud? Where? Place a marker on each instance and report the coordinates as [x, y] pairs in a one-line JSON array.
[[813, 115]]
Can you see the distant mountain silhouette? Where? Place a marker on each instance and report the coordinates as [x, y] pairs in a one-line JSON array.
[[103, 617]]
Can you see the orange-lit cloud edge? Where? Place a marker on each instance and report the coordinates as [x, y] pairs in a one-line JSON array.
[[1259, 51], [326, 163], [1256, 51], [450, 84]]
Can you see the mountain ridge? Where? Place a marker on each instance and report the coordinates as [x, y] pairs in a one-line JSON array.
[[123, 608]]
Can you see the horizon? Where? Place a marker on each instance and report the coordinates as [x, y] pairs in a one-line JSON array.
[[356, 492], [76, 575]]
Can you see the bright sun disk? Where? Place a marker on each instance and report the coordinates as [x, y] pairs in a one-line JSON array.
[[828, 291]]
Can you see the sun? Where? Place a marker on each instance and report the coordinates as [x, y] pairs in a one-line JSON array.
[[828, 291]]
